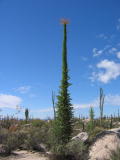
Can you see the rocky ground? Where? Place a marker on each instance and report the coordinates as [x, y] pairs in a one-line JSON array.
[[104, 143], [25, 155]]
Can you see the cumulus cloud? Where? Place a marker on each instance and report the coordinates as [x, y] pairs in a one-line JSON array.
[[9, 101], [23, 89], [111, 70]]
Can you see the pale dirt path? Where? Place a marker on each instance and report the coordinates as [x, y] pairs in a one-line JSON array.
[[25, 155]]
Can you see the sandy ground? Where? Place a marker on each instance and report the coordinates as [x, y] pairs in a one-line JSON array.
[[25, 155]]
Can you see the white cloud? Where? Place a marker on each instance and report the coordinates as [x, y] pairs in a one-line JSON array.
[[9, 101], [93, 103], [115, 51], [23, 89], [97, 52], [111, 71], [113, 100], [94, 76], [118, 54], [50, 109], [112, 50], [110, 100]]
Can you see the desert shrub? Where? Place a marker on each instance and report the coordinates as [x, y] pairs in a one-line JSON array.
[[7, 122], [11, 143], [78, 126], [37, 122], [37, 136], [77, 149], [106, 124], [94, 132], [33, 138], [90, 126], [10, 140], [61, 157], [74, 150], [3, 135]]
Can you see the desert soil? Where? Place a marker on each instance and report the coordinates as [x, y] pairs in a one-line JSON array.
[[25, 155]]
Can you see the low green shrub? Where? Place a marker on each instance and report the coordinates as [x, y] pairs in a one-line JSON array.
[[77, 149], [10, 140], [93, 133]]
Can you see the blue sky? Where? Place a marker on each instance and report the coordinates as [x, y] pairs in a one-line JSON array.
[[31, 46]]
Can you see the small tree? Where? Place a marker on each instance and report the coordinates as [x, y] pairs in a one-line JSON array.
[[26, 114]]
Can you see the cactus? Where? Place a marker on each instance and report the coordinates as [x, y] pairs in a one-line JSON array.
[[91, 115], [26, 114], [101, 105]]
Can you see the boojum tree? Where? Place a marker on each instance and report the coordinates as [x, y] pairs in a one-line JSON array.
[[101, 105], [64, 109]]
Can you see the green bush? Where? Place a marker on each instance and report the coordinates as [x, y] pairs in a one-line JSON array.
[[77, 149], [7, 122], [37, 136], [10, 140], [37, 122], [94, 132]]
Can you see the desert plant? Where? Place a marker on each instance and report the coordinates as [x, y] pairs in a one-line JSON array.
[[77, 149], [8, 121], [111, 122], [93, 134], [64, 114], [10, 141], [101, 105], [91, 114], [26, 114]]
